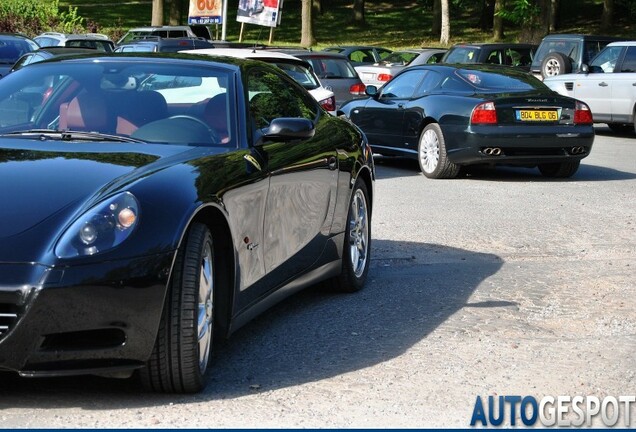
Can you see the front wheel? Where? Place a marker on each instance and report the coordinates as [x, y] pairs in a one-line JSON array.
[[357, 246], [559, 170], [431, 152], [181, 353]]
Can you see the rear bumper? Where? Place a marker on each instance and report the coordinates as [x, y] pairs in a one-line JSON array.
[[83, 319], [541, 145]]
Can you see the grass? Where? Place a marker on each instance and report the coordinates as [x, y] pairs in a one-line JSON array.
[[392, 24]]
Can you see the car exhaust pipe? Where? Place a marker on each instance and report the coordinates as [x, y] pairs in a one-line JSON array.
[[492, 151], [577, 150]]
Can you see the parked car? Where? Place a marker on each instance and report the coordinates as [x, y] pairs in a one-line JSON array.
[[518, 55], [135, 228], [564, 53], [46, 53], [300, 70], [335, 73], [360, 55], [167, 31], [159, 44], [607, 85], [97, 41], [379, 73], [449, 116], [12, 47]]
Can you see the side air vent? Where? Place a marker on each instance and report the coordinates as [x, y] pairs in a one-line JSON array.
[[569, 86], [8, 318]]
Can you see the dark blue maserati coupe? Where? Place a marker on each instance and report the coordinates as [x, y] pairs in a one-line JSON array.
[[449, 116], [150, 201]]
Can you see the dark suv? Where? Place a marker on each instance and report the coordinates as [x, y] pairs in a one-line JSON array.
[[159, 44], [565, 53]]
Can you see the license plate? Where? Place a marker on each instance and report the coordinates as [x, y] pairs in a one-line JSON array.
[[537, 115], [368, 76]]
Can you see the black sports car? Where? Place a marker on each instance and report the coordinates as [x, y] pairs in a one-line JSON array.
[[447, 116], [149, 201]]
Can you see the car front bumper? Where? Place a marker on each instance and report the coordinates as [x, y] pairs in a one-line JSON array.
[[83, 319]]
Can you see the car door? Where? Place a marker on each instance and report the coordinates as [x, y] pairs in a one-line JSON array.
[[302, 177], [382, 118], [415, 109], [623, 96], [596, 87]]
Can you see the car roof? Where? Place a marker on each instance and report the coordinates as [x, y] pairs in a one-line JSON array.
[[243, 53], [622, 43], [581, 36], [494, 45]]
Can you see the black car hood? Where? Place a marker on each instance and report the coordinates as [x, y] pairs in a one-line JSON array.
[[49, 180]]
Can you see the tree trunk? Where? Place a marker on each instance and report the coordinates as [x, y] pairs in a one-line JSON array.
[[157, 13], [534, 27], [445, 33], [436, 27], [358, 12], [554, 15], [497, 21], [307, 38], [607, 18], [487, 14], [174, 11]]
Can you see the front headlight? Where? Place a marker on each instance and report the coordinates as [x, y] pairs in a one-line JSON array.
[[101, 228]]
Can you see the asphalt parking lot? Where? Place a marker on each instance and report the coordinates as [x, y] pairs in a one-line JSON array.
[[500, 282]]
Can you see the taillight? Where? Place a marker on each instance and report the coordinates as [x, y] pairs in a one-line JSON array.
[[329, 104], [484, 113], [384, 77], [582, 114], [357, 89]]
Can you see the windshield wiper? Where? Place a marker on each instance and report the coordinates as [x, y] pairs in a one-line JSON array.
[[70, 135]]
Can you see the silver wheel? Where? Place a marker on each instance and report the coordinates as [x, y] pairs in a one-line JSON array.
[[206, 307], [429, 151], [552, 67], [358, 233]]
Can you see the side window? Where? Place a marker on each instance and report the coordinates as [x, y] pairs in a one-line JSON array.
[[607, 59], [384, 54], [271, 96], [430, 81], [629, 63], [435, 58], [404, 85], [363, 56], [494, 57]]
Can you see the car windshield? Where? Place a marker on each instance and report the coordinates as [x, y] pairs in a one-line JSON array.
[[567, 47], [494, 81], [462, 55], [400, 57], [13, 49], [134, 101], [332, 67], [300, 74]]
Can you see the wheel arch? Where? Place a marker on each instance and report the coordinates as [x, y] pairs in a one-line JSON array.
[[224, 260]]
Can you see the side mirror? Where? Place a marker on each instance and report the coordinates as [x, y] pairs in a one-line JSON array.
[[289, 129], [585, 69], [371, 90]]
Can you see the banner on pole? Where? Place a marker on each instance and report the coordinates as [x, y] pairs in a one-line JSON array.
[[261, 12], [205, 12]]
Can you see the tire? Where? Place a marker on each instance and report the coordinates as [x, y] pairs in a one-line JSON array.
[[432, 156], [559, 170], [554, 64], [182, 349], [621, 128], [357, 245]]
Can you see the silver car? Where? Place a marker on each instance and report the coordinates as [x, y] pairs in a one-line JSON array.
[[379, 73]]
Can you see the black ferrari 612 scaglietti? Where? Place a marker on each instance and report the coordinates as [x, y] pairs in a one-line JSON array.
[[448, 116], [151, 201]]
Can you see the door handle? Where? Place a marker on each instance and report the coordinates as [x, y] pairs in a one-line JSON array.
[[603, 84], [401, 106]]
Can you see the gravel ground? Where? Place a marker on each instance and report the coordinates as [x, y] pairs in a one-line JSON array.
[[497, 283]]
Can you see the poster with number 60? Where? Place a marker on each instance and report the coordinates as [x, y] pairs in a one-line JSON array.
[[205, 12]]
